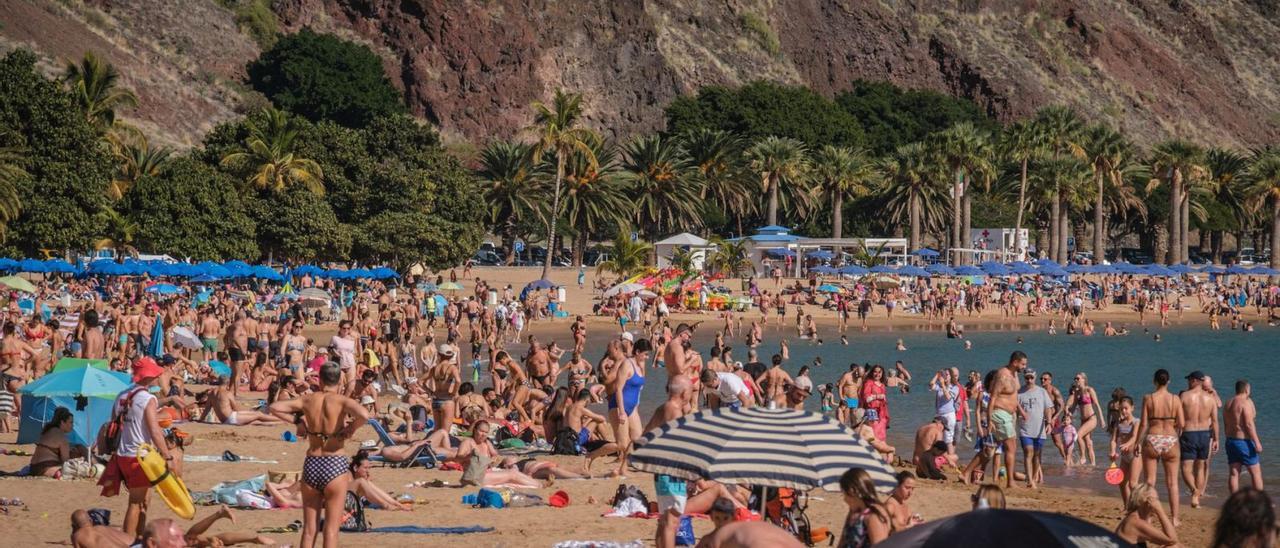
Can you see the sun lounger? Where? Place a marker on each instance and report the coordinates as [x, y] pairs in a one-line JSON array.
[[424, 456]]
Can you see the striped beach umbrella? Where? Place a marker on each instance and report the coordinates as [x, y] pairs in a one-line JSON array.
[[759, 446]]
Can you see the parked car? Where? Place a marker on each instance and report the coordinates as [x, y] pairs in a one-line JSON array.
[[486, 258]]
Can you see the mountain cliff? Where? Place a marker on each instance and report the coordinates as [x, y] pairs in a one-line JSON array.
[[1199, 69]]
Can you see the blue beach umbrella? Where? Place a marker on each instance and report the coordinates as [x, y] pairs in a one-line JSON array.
[[384, 273], [1020, 268], [925, 252], [88, 414], [1159, 271], [939, 269], [89, 382], [32, 265], [823, 270], [1181, 268], [969, 270], [155, 348], [1054, 271], [220, 368], [1264, 271], [1214, 269], [165, 289], [59, 266], [915, 271], [828, 288], [1238, 269], [7, 264], [1074, 268], [264, 272], [993, 268], [883, 269], [853, 270], [820, 254], [539, 284], [1051, 262]]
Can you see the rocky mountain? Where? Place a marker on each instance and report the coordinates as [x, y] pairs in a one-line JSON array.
[[1200, 69]]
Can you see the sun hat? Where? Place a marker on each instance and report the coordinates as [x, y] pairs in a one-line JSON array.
[[145, 368], [366, 400], [446, 349]]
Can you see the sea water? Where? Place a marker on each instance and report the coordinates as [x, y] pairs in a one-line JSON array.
[[1127, 361]]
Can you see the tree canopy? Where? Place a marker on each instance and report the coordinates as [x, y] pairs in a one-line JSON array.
[[891, 116], [190, 209], [762, 109], [323, 77]]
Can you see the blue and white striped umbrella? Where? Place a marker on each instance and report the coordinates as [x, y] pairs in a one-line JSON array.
[[759, 446]]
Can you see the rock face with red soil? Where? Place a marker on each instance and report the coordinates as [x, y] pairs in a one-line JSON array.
[[1198, 69]]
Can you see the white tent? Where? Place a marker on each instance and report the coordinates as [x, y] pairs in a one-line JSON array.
[[665, 248]]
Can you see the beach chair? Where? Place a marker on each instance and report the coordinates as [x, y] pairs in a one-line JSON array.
[[423, 457]]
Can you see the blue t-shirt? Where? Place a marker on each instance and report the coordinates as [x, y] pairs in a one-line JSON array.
[[944, 399]]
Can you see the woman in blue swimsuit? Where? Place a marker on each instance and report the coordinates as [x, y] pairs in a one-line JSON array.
[[624, 398]]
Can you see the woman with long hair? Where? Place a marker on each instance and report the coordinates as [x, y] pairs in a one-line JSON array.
[[874, 401], [1084, 398], [1158, 429], [867, 522], [52, 449], [1247, 520], [1137, 526]]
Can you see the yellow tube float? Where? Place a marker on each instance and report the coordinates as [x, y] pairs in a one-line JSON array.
[[172, 491]]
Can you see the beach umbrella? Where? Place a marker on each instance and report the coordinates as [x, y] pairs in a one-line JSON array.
[[7, 264], [882, 269], [89, 382], [1052, 270], [65, 364], [165, 289], [969, 270], [759, 446], [939, 269], [32, 265], [995, 269], [60, 266], [186, 338], [828, 288], [1020, 268], [155, 348], [1050, 262], [539, 284], [18, 284], [992, 528], [450, 286], [220, 368], [88, 416], [1238, 269], [203, 279], [1214, 269], [820, 254], [779, 252], [426, 286], [853, 270], [823, 270], [1264, 271], [1158, 270], [384, 273], [1181, 268], [925, 252], [1075, 268], [308, 270], [312, 297], [622, 289], [911, 270], [264, 272]]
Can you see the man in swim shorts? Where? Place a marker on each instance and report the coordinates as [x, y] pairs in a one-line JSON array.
[[1003, 413], [1243, 445], [1199, 437]]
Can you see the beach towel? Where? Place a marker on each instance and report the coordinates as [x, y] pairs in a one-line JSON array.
[[220, 458], [599, 544], [420, 530]]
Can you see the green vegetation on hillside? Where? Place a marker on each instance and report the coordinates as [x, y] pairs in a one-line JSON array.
[[322, 77], [255, 18]]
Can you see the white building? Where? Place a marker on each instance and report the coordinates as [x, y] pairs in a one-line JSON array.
[[666, 248]]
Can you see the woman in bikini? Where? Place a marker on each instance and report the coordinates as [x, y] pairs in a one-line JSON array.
[[1158, 429], [1085, 398], [327, 419], [444, 379], [52, 449]]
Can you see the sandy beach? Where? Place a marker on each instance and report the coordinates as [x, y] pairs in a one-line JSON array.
[[48, 503]]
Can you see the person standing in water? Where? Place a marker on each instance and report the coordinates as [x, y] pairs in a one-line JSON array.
[[1243, 445], [1199, 439], [1003, 412], [1158, 428], [327, 419]]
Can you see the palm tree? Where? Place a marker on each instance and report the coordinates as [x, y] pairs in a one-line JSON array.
[[664, 195], [778, 161], [626, 257], [1062, 130], [841, 172], [117, 233], [594, 191], [558, 135], [715, 158], [135, 159], [1020, 143], [682, 258], [93, 84], [963, 147], [729, 258], [12, 158], [1228, 171], [907, 184], [508, 184], [1264, 174], [1175, 161], [268, 159], [1107, 150]]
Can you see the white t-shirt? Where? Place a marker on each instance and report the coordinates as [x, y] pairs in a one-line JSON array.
[[134, 430], [730, 387], [346, 349]]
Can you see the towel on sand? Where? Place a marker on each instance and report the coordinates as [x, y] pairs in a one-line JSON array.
[[430, 530]]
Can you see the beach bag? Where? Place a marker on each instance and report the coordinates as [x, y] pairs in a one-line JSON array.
[[565, 442], [488, 498], [353, 518], [684, 535], [79, 468], [625, 492]]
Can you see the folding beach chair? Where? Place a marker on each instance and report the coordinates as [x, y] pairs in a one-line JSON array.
[[423, 457]]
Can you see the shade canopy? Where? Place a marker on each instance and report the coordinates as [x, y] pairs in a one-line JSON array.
[[682, 239], [991, 528]]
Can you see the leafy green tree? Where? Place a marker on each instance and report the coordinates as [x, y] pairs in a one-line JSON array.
[[891, 116], [12, 158], [1063, 134], [761, 109], [93, 84], [842, 172], [965, 151], [780, 161], [323, 77], [402, 238], [189, 209], [558, 135], [1228, 170], [299, 226], [1176, 162], [729, 257], [664, 195], [68, 167], [716, 161], [594, 192], [267, 157], [1020, 143], [910, 190], [117, 232]]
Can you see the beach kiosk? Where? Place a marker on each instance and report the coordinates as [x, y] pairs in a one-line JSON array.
[[666, 248]]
